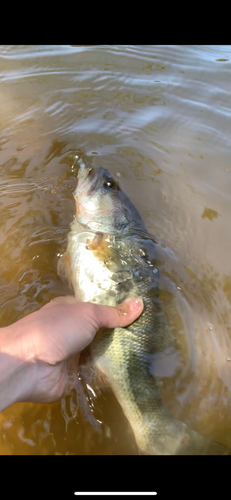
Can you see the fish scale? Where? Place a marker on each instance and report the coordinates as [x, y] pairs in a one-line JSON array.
[[106, 266]]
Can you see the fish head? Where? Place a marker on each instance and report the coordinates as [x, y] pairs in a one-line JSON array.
[[101, 205]]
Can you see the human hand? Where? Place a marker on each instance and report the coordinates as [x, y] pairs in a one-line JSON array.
[[43, 341]]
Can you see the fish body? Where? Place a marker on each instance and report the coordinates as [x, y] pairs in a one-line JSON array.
[[110, 256]]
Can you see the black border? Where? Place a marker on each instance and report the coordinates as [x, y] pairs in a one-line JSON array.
[[60, 476]]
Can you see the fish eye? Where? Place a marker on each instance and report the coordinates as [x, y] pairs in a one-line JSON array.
[[111, 184]]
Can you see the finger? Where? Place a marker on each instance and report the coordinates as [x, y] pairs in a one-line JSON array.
[[122, 315]]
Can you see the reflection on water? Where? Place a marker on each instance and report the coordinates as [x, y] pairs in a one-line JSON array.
[[158, 116]]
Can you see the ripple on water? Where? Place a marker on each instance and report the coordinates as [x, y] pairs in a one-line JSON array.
[[158, 118]]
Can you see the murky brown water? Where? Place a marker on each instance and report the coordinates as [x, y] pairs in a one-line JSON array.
[[161, 117]]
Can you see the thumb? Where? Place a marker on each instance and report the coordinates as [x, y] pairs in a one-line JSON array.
[[122, 315]]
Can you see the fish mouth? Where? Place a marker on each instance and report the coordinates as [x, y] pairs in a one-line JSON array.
[[84, 175], [83, 171]]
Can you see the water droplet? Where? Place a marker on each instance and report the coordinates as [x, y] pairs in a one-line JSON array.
[[90, 389], [210, 327], [118, 174], [228, 359], [155, 270]]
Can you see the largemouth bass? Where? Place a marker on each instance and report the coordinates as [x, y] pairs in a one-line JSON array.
[[110, 256]]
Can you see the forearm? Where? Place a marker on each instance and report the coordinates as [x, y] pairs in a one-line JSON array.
[[16, 374]]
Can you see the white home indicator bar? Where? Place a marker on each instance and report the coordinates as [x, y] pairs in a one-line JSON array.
[[117, 493]]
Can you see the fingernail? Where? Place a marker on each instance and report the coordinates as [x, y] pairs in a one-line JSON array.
[[131, 305], [136, 305]]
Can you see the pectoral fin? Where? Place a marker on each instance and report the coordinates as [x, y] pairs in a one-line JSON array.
[[103, 250], [64, 268]]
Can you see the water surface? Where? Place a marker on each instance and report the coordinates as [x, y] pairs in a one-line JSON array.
[[160, 116]]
